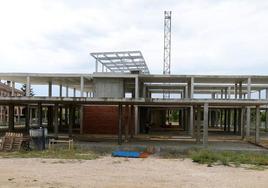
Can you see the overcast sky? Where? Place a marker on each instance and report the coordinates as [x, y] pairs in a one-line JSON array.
[[208, 36]]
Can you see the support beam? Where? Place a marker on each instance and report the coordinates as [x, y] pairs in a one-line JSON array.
[[55, 120], [67, 91], [205, 125], [81, 119], [120, 119], [28, 86], [60, 91], [82, 86], [191, 122], [74, 92], [191, 88], [50, 88], [248, 122], [13, 89], [249, 88], [11, 117], [257, 126], [242, 122], [198, 124], [39, 111]]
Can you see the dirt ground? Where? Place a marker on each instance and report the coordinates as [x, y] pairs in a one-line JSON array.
[[121, 172]]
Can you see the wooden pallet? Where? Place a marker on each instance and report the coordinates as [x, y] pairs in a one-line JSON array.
[[12, 142]]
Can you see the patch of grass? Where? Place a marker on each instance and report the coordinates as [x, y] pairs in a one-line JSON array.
[[249, 160], [229, 158], [54, 154]]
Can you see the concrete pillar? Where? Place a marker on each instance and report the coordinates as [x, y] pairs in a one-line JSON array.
[[136, 108], [257, 126], [191, 122], [229, 92], [249, 88], [60, 91], [1, 114], [82, 86], [191, 88], [240, 90], [28, 86], [248, 121], [266, 119], [27, 117], [67, 91], [55, 120], [235, 91], [205, 125], [120, 119], [11, 117], [71, 119], [96, 66], [81, 119], [198, 123], [242, 123], [50, 89], [13, 89], [74, 92], [39, 114]]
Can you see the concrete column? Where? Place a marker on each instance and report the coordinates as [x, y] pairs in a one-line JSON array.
[[248, 122], [137, 87], [27, 117], [205, 125], [60, 91], [28, 86], [71, 119], [39, 114], [1, 114], [257, 126], [74, 92], [67, 91], [13, 89], [82, 86], [136, 108], [229, 92], [191, 88], [249, 88], [235, 90], [120, 119], [242, 122], [266, 119], [240, 90], [11, 117], [81, 119], [96, 66], [191, 127], [55, 120], [186, 92], [198, 133], [50, 88], [259, 94]]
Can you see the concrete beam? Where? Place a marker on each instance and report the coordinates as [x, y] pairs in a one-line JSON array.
[[191, 127]]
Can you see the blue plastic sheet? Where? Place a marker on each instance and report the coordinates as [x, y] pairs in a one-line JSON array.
[[130, 154]]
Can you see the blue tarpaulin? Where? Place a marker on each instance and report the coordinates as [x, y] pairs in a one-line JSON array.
[[131, 154]]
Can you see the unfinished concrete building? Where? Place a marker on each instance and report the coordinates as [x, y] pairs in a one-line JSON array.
[[122, 98]]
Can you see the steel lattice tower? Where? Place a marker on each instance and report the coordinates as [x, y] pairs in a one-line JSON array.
[[167, 42], [167, 47]]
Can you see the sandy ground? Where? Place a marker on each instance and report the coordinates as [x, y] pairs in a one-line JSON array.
[[121, 172]]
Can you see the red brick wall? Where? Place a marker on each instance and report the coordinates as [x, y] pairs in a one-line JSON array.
[[100, 120]]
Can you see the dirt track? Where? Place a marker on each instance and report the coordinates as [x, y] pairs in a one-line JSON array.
[[120, 172]]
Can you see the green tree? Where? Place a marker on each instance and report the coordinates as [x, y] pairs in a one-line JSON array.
[[23, 88]]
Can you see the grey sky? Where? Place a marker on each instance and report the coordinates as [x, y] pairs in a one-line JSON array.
[[208, 37]]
